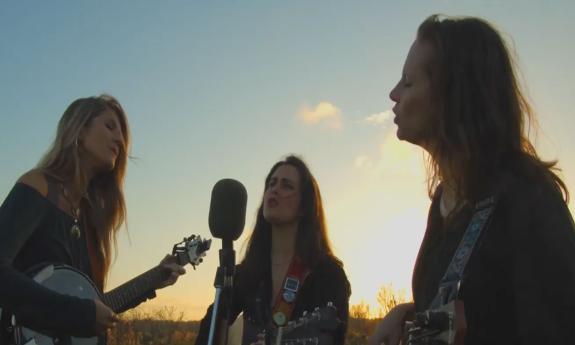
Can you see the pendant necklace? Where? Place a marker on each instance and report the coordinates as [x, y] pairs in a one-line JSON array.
[[75, 229]]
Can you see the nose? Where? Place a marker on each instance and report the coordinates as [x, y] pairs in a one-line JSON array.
[[119, 140], [394, 94], [274, 189]]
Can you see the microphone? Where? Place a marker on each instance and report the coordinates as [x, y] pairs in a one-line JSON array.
[[227, 209], [226, 220]]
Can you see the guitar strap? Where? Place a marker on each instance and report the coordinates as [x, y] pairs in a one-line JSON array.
[[449, 284], [285, 300]]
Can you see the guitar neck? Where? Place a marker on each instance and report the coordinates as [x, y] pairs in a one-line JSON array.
[[127, 294]]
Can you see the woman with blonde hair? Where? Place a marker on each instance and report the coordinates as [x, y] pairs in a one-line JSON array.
[[68, 211]]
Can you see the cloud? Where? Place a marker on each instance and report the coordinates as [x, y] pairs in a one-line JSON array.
[[393, 159], [363, 161], [378, 119], [325, 113]]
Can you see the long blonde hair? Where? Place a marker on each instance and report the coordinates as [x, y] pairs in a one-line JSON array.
[[104, 205]]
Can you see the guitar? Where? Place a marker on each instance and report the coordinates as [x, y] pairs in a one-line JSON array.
[[313, 328], [69, 281], [444, 325]]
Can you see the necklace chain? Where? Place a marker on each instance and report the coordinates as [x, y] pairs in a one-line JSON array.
[[75, 230]]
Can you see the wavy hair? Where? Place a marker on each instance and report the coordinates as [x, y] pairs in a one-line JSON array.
[[104, 205], [484, 117]]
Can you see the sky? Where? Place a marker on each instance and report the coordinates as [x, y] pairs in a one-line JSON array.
[[225, 89]]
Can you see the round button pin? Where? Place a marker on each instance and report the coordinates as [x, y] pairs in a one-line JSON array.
[[279, 318]]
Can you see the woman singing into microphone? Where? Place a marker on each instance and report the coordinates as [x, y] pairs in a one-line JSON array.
[[289, 267]]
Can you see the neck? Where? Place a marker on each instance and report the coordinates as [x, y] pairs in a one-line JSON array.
[[76, 189], [87, 173], [88, 170], [283, 242], [449, 199]]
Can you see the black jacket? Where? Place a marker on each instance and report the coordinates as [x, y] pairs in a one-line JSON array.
[[326, 283], [519, 284]]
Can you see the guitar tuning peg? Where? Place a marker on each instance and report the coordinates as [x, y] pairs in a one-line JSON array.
[[316, 309], [304, 313], [330, 304]]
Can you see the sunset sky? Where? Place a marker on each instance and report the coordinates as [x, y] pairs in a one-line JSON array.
[[225, 90]]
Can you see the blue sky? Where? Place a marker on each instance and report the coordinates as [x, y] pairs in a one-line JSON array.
[[226, 89]]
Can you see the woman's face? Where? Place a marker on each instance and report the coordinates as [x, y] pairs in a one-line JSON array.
[[102, 141], [414, 106], [282, 196]]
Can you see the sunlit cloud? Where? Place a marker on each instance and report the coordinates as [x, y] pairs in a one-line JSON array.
[[363, 161], [392, 157], [325, 113], [378, 119]]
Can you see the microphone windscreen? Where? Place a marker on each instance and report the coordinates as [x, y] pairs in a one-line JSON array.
[[228, 209]]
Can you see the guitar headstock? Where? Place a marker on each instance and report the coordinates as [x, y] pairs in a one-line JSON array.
[[316, 327], [323, 319], [191, 250]]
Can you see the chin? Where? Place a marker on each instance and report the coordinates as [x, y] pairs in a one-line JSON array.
[[107, 166], [276, 219], [271, 219], [400, 134]]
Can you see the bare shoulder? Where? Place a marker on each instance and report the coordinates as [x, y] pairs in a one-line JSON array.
[[35, 178]]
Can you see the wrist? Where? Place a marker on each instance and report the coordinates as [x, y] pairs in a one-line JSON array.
[[407, 311]]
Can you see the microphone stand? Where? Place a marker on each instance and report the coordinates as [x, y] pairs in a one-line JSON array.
[[224, 283]]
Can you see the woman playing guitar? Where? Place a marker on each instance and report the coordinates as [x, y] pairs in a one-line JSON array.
[[459, 98], [68, 210]]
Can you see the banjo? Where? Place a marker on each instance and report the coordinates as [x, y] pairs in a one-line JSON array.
[[69, 281]]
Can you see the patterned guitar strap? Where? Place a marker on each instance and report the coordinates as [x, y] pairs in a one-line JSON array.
[[285, 300], [449, 285]]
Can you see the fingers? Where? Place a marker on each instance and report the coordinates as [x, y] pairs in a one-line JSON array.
[[173, 272], [114, 317], [168, 259], [261, 340], [170, 262], [112, 320], [177, 269], [106, 318]]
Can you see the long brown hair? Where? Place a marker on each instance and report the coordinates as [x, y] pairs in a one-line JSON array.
[[104, 206], [484, 118], [312, 243]]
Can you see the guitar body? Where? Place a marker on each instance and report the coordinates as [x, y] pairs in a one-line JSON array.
[[67, 281]]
